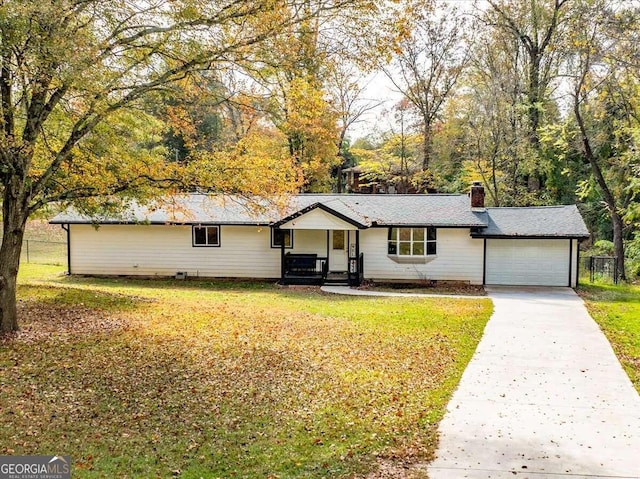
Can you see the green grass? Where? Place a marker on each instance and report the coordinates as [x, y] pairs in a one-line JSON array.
[[616, 308], [43, 244], [245, 380]]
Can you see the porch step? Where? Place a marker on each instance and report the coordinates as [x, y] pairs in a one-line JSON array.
[[337, 279], [336, 282], [302, 280]]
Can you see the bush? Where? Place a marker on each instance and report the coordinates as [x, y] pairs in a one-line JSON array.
[[603, 248], [633, 257]]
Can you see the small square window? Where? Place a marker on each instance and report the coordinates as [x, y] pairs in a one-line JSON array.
[[278, 237], [208, 235]]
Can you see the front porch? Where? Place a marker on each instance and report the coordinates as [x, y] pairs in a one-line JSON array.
[[319, 245]]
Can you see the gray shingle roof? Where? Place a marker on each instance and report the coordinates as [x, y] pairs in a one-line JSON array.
[[398, 210], [537, 221], [367, 210], [188, 209]]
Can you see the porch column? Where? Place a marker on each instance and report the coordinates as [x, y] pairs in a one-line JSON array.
[[328, 241], [281, 260]]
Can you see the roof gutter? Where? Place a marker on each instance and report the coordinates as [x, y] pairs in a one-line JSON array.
[[491, 236], [153, 223]]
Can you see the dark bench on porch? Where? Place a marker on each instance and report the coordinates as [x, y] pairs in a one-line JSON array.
[[304, 269]]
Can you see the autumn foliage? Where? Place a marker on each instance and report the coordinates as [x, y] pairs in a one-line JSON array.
[[194, 379]]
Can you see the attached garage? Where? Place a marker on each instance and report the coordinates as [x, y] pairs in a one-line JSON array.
[[532, 246], [536, 262]]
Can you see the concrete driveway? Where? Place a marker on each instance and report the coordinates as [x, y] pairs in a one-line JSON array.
[[543, 397]]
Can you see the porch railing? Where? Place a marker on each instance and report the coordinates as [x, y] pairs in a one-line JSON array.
[[304, 268], [356, 270], [313, 269]]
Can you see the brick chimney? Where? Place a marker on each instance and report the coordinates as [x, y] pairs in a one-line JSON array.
[[477, 195]]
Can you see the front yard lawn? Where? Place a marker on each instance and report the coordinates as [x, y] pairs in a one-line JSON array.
[[617, 311], [244, 380]]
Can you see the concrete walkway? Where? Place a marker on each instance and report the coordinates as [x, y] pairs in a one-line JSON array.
[[543, 397]]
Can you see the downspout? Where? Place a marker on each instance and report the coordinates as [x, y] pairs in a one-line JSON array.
[[578, 241], [570, 260], [484, 262], [67, 228]]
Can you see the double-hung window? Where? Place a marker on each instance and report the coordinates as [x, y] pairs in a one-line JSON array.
[[412, 241], [206, 235]]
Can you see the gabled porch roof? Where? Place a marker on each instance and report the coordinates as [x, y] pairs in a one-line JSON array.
[[319, 216]]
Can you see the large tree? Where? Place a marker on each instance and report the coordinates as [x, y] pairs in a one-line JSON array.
[[537, 26], [429, 58], [72, 70], [605, 103], [295, 71]]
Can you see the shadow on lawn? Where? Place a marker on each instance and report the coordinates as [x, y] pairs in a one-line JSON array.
[[169, 283], [130, 402], [51, 313], [621, 293], [197, 285]]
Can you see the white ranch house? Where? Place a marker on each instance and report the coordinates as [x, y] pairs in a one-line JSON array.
[[336, 238]]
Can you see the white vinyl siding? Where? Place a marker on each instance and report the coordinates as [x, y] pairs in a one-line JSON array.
[[534, 262], [155, 250], [310, 242], [458, 258]]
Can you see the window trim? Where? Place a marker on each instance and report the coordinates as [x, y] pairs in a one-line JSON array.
[[206, 226], [273, 236], [425, 242]]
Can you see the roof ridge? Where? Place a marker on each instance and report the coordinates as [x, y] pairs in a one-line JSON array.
[[380, 195], [526, 207]]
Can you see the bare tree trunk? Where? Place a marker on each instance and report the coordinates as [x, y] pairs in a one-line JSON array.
[[494, 179], [426, 146], [13, 220], [609, 199], [618, 244], [533, 97]]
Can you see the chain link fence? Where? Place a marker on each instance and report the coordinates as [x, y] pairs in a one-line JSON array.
[[601, 269], [44, 252]]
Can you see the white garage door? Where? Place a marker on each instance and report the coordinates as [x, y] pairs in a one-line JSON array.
[[541, 262]]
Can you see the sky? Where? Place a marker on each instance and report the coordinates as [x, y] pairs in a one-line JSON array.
[[380, 89]]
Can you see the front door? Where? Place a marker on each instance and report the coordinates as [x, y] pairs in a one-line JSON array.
[[338, 251]]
